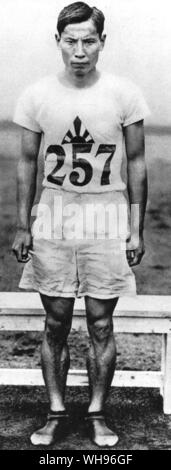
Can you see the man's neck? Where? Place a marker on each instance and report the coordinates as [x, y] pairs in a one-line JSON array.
[[78, 80]]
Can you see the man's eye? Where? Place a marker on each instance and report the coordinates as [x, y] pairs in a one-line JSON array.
[[69, 41], [89, 41]]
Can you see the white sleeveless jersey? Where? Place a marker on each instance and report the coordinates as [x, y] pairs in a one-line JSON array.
[[82, 130]]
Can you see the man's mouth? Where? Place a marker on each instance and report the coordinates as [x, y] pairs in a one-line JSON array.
[[79, 64]]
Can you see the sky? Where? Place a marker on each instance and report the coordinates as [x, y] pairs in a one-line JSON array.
[[138, 47]]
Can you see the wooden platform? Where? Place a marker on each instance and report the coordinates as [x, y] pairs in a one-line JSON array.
[[141, 314]]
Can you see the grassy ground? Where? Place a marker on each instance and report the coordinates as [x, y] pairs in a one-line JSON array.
[[136, 414]]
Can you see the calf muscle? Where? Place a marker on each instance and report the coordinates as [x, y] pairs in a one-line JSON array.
[[102, 353], [55, 352]]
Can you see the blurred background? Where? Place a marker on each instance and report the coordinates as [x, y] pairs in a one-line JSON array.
[[138, 47]]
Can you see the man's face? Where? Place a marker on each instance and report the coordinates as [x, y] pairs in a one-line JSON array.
[[80, 45]]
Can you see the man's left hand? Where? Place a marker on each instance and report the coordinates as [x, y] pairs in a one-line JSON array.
[[135, 252]]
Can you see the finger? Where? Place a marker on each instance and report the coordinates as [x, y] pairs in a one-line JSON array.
[[130, 254], [15, 252], [18, 251], [137, 259], [24, 250], [28, 250], [134, 262], [21, 257], [25, 259], [25, 255]]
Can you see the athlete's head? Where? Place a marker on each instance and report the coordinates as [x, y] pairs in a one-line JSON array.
[[80, 12], [80, 36]]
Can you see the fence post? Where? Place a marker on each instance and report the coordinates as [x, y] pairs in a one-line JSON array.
[[167, 375]]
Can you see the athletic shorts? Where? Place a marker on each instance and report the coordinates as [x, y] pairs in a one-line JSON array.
[[79, 246]]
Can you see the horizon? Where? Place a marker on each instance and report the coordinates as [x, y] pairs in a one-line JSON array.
[[149, 128]]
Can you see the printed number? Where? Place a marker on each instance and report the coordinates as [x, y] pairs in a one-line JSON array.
[[103, 148], [80, 163], [60, 153]]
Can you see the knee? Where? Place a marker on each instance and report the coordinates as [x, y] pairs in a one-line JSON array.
[[100, 329], [57, 329]]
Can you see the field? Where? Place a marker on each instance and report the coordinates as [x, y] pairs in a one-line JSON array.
[[137, 414]]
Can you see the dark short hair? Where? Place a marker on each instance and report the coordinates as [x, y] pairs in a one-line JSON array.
[[77, 13]]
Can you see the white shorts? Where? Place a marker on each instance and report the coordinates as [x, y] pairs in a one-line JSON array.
[[79, 246]]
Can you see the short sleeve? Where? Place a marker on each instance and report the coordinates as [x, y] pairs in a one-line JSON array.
[[135, 107], [25, 112]]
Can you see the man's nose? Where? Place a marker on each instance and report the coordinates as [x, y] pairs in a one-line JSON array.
[[79, 51]]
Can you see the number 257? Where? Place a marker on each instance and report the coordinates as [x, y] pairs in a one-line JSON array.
[[80, 163]]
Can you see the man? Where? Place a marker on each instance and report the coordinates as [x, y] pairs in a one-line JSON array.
[[83, 115]]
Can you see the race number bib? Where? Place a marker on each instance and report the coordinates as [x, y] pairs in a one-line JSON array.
[[78, 162]]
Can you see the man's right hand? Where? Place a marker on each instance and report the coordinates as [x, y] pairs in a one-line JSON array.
[[22, 244]]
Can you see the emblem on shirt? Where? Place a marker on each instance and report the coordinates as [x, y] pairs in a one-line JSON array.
[[78, 134]]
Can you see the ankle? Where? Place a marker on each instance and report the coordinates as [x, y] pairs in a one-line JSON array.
[[56, 408]]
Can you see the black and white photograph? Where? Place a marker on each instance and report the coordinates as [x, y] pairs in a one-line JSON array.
[[85, 224]]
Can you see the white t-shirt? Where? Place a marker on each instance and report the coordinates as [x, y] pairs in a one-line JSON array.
[[82, 130]]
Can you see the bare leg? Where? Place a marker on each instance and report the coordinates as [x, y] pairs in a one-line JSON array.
[[55, 361], [100, 364]]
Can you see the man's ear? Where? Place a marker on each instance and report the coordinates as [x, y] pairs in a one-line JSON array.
[[57, 38], [103, 40]]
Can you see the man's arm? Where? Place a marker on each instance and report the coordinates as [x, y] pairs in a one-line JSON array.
[[26, 189], [137, 189]]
